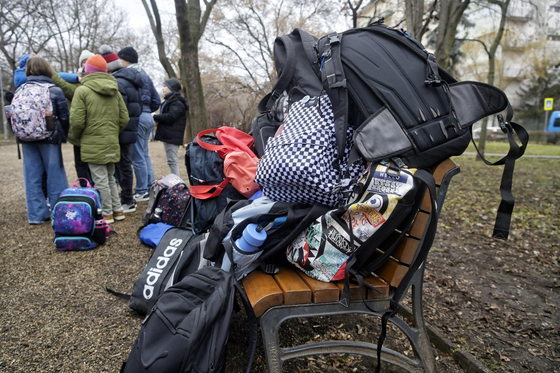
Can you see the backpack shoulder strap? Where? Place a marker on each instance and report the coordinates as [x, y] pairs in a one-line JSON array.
[[309, 43], [503, 218], [334, 82], [252, 323], [287, 75], [289, 67]]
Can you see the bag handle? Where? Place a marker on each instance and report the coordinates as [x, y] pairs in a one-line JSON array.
[[207, 146], [202, 191], [227, 136], [81, 178]]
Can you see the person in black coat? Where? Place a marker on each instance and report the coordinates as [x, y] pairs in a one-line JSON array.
[[172, 121], [129, 81]]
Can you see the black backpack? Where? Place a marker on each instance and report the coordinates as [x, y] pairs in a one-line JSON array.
[[402, 105], [158, 274], [187, 330], [206, 167]]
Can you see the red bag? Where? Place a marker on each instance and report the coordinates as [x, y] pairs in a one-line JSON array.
[[240, 162]]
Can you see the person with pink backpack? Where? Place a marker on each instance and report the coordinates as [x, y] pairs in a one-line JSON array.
[[40, 121]]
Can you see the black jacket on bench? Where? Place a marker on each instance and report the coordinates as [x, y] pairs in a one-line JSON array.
[[173, 119]]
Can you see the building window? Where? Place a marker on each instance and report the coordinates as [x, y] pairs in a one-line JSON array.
[[555, 9], [554, 37]]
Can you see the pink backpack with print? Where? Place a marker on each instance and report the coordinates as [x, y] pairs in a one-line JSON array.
[[29, 106]]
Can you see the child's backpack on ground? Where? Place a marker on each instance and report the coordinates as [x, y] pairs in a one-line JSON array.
[[169, 199], [77, 219], [28, 112], [187, 329]]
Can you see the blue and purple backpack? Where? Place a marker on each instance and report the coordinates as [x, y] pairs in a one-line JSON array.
[[77, 219]]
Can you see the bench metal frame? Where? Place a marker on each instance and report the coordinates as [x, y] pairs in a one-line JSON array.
[[416, 333]]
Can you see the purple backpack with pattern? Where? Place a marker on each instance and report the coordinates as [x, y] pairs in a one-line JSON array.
[[77, 219], [28, 112]]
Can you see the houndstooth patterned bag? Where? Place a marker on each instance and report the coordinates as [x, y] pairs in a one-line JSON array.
[[299, 163]]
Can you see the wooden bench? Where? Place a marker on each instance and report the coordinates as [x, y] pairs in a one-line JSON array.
[[291, 294]]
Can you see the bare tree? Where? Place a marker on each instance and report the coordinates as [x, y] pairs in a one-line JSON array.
[[155, 24], [76, 26], [491, 53], [191, 23], [20, 33], [450, 14], [417, 20], [246, 30]]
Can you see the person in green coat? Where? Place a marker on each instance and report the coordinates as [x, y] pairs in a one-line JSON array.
[[82, 169], [97, 116]]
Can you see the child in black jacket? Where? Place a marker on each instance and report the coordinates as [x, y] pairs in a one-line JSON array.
[[171, 122]]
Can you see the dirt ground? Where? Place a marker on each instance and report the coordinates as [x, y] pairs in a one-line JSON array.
[[498, 300]]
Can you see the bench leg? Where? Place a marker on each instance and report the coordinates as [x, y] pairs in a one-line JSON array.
[[275, 355], [424, 346]]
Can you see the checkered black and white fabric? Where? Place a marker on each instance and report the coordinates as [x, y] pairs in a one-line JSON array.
[[299, 164]]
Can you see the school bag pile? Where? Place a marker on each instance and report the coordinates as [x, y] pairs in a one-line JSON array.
[[338, 159]]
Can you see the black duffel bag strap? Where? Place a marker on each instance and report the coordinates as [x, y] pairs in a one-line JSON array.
[[503, 218], [285, 78]]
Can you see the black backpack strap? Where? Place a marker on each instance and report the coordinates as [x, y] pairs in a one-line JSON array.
[[117, 294], [334, 82], [309, 43], [503, 218], [425, 245], [285, 78], [252, 323]]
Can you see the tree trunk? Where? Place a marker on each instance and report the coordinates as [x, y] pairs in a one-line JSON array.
[[155, 24], [492, 69], [414, 10], [190, 30], [451, 12]]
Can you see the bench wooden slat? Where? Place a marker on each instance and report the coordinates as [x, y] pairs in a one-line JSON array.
[[442, 169], [355, 293], [293, 287], [419, 225], [380, 285], [263, 292], [426, 204], [392, 272], [322, 291], [406, 250]]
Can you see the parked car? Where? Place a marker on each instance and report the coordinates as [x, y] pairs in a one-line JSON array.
[[553, 129], [492, 133]]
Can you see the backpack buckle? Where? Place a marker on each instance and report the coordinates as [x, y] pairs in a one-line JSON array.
[[502, 123], [333, 39]]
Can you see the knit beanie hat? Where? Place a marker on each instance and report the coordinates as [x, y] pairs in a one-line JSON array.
[[113, 62], [173, 84], [96, 64], [84, 56], [128, 54]]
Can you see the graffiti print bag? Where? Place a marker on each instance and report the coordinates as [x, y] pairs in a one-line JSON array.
[[383, 198]]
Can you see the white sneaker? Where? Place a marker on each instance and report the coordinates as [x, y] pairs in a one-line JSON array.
[[141, 197], [129, 207]]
